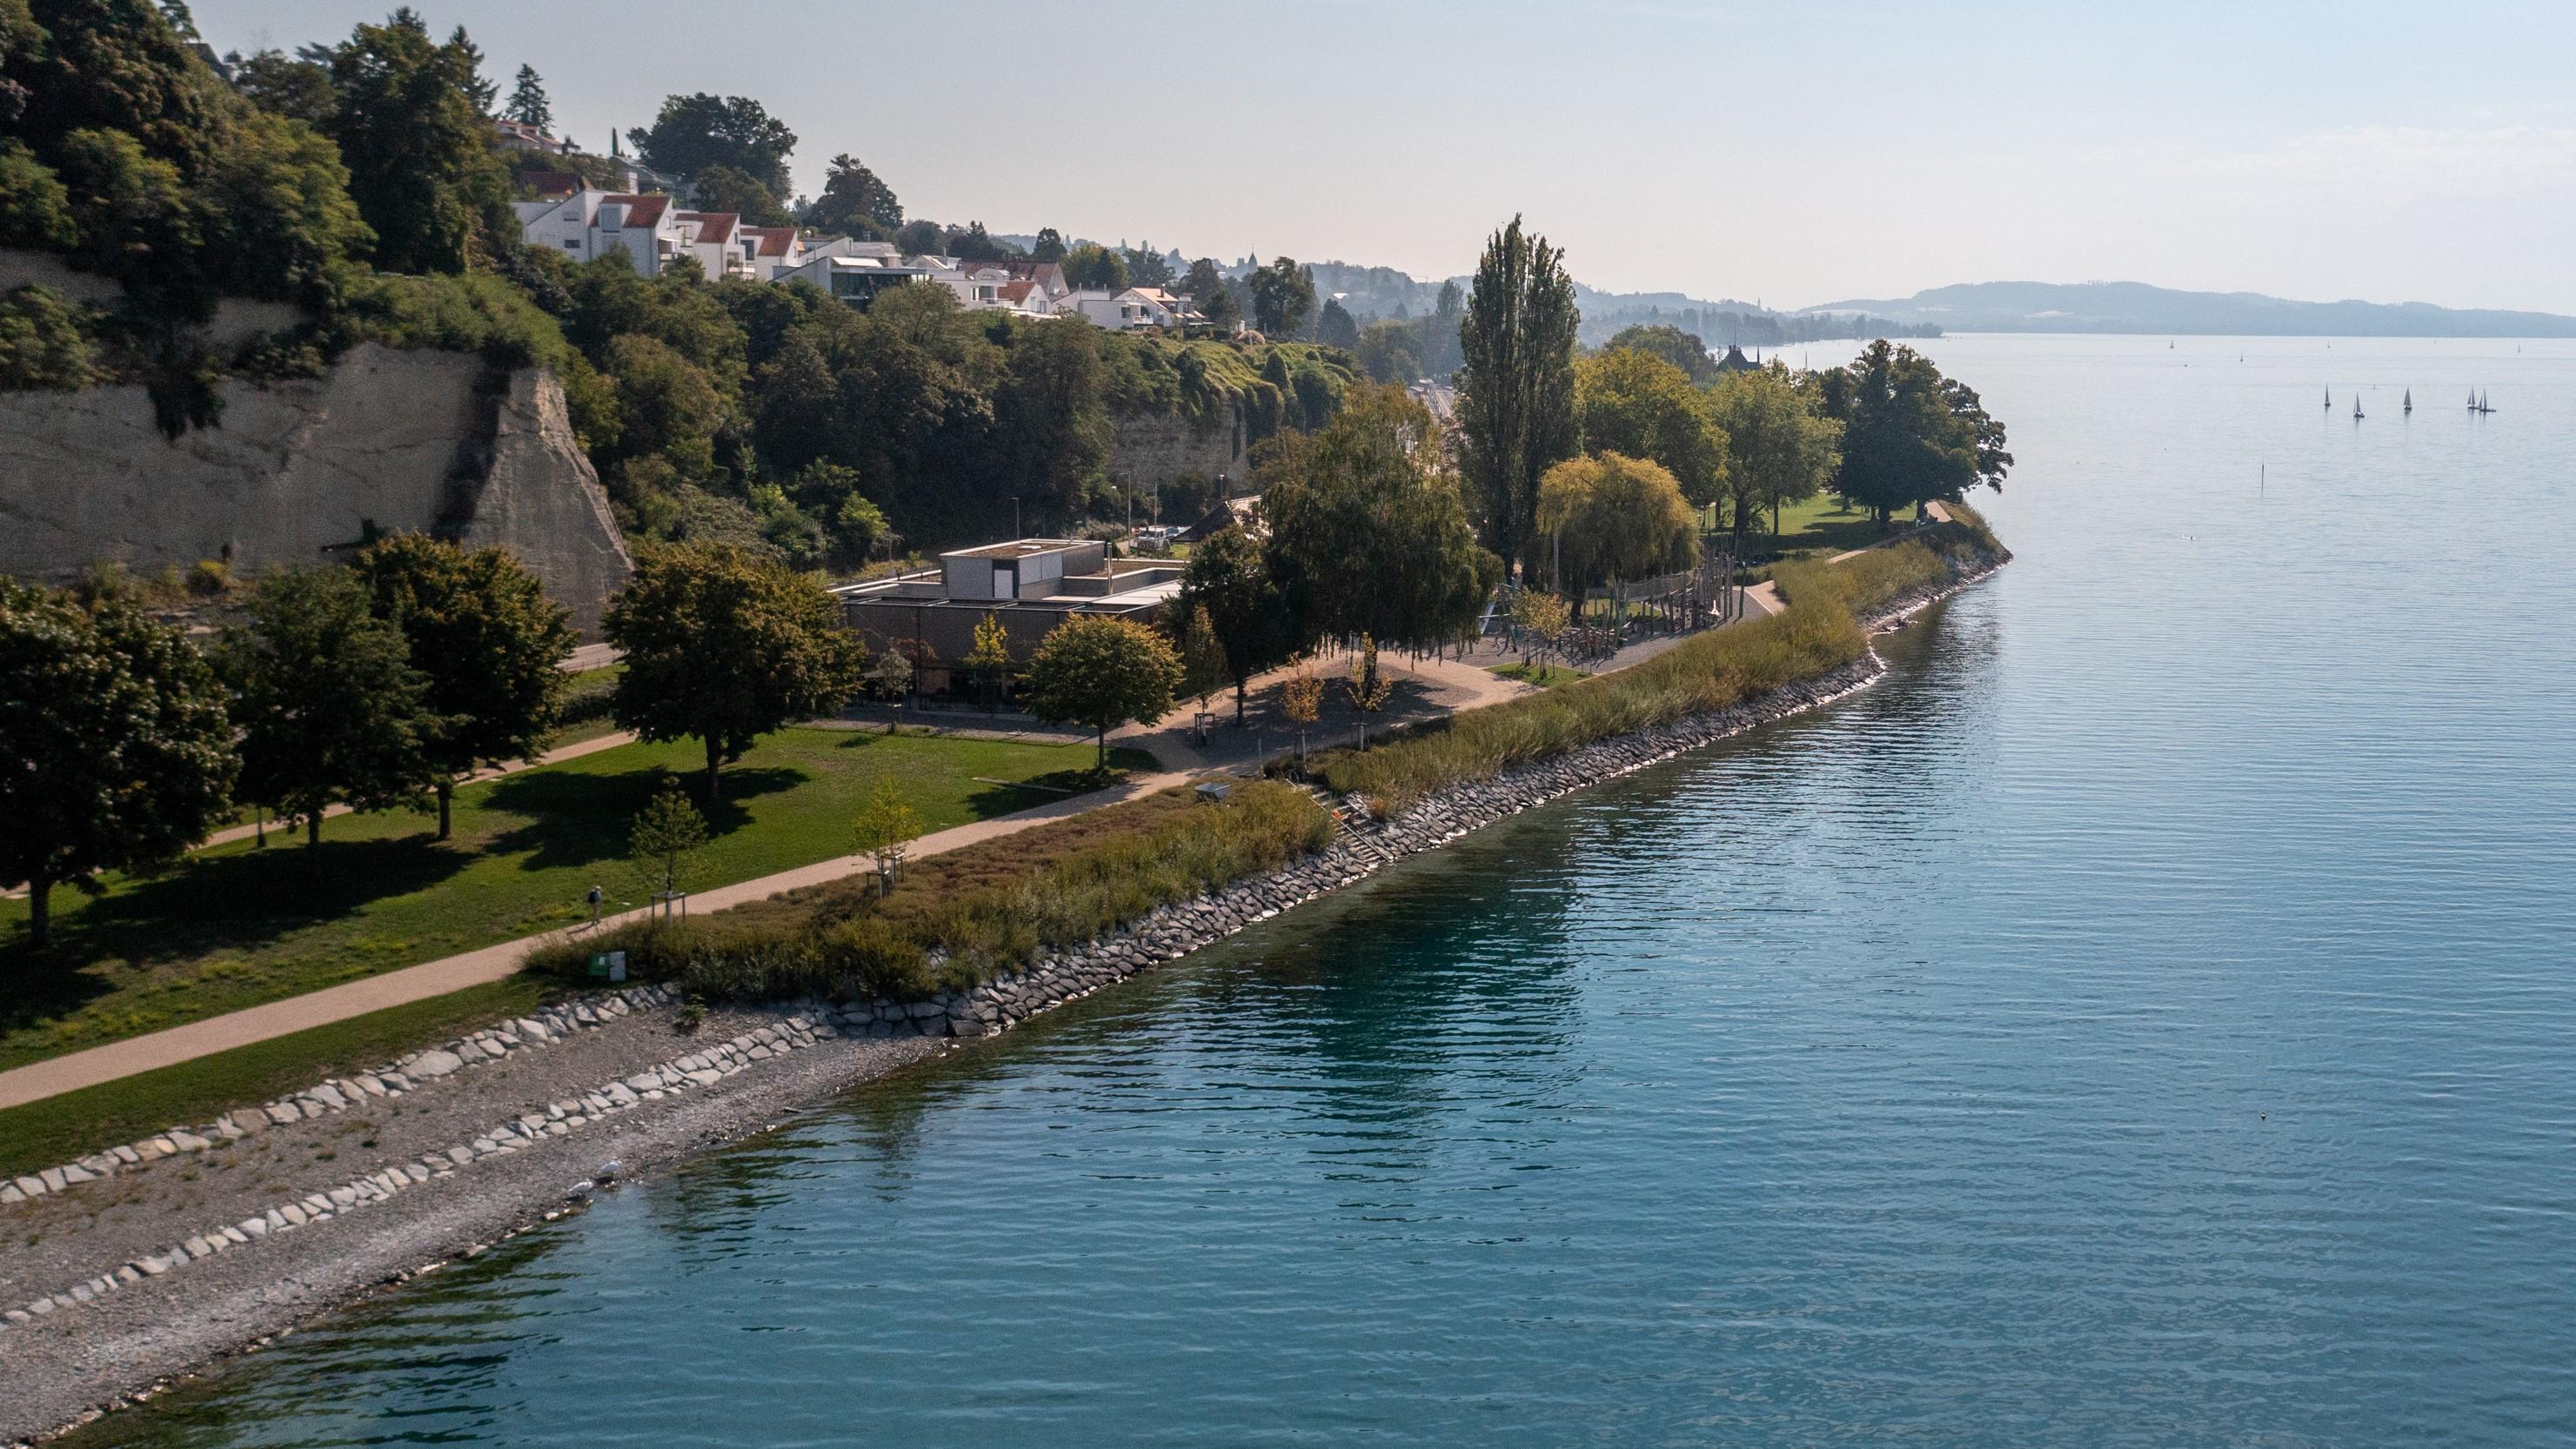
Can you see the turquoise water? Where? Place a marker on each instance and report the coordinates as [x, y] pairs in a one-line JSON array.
[[2142, 1020]]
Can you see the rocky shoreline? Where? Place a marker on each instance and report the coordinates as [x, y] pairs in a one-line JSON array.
[[490, 1156]]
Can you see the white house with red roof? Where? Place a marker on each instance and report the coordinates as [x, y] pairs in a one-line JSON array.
[[709, 236], [589, 224], [762, 252]]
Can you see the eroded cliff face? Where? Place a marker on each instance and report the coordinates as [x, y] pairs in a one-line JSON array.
[[395, 441], [1160, 448]]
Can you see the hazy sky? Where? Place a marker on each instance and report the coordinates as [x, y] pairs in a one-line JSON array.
[[1794, 153]]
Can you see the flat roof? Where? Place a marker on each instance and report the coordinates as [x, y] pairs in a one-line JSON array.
[[1016, 548]]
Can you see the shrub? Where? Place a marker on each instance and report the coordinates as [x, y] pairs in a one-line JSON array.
[[480, 313], [208, 578], [45, 342]]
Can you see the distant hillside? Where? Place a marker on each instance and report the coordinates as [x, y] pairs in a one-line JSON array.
[[2137, 307]]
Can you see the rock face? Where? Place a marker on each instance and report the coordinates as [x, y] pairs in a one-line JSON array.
[[432, 442], [1157, 448]]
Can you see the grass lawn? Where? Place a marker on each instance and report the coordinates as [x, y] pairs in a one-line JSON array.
[[586, 705], [237, 925], [59, 1129], [1545, 676], [1821, 525]]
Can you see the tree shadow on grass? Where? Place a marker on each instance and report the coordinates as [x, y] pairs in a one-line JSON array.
[[577, 819], [233, 902]]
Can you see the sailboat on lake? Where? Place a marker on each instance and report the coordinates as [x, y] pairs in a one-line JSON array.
[[2356, 407], [2410, 402], [2329, 399]]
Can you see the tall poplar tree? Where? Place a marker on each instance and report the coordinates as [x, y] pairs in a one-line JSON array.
[[1516, 385]]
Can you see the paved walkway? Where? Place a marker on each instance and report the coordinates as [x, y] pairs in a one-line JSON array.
[[474, 968]]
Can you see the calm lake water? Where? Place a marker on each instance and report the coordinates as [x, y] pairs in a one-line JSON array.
[[2144, 1019]]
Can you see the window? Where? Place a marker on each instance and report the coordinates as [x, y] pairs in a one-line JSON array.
[[572, 244]]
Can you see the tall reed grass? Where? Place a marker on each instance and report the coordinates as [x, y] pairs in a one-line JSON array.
[[842, 942], [1817, 634]]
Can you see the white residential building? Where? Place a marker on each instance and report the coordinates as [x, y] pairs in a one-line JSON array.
[[588, 224], [1137, 307], [762, 252], [709, 236], [855, 279]]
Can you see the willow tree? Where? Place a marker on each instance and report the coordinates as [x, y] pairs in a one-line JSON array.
[[1615, 517], [1516, 392], [1368, 535]]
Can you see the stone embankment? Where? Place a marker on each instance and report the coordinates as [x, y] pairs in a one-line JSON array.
[[522, 1157]]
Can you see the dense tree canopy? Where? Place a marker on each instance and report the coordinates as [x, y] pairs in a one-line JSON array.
[[1672, 344], [528, 104], [1093, 265], [1909, 434], [695, 132], [1283, 296], [1637, 404], [421, 167], [1228, 578], [1780, 445], [855, 203], [724, 188], [115, 750]]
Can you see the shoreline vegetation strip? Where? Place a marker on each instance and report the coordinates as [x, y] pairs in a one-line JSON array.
[[957, 921]]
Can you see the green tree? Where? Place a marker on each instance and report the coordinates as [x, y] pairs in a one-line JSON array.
[[886, 828], [1367, 532], [1283, 294], [1615, 517], [1334, 327], [1220, 308], [528, 105], [1147, 267], [695, 132], [1682, 349], [1228, 580], [1093, 265], [1910, 435], [854, 202], [1780, 446], [420, 159], [990, 658], [1102, 671], [665, 840], [481, 89], [330, 708], [1050, 246], [43, 343], [35, 210], [1202, 657], [1202, 281], [115, 751], [1049, 409], [1391, 351], [488, 641], [1516, 392], [726, 188], [1638, 404], [723, 647], [287, 85]]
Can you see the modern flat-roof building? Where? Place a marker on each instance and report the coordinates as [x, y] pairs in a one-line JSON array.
[[1030, 584]]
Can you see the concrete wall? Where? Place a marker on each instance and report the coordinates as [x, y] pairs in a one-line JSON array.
[[405, 441]]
